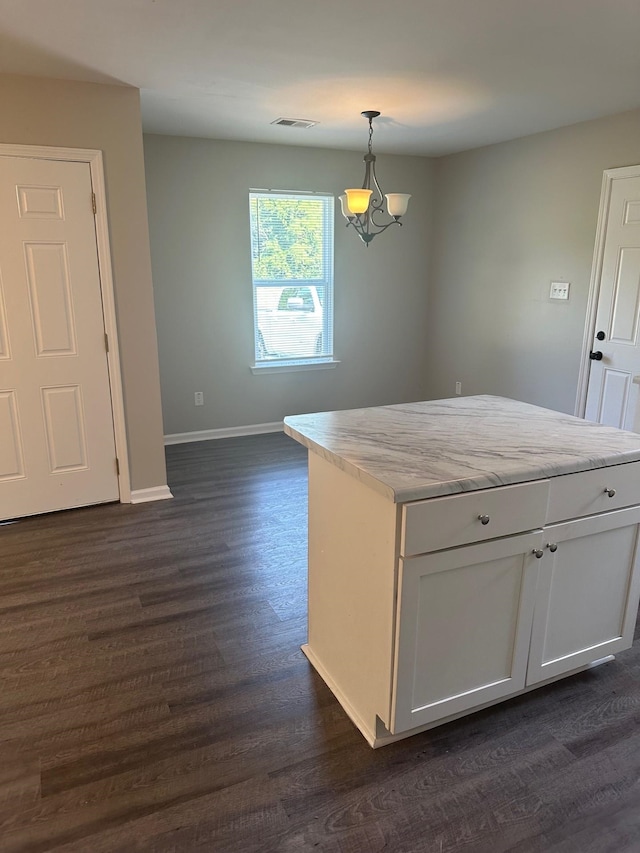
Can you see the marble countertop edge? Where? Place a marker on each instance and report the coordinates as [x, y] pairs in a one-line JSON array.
[[384, 447], [344, 464]]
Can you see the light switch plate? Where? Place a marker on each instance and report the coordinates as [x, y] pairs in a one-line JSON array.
[[559, 290]]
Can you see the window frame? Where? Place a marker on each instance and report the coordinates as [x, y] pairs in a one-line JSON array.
[[326, 359]]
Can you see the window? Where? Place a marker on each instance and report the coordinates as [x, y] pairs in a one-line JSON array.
[[292, 270]]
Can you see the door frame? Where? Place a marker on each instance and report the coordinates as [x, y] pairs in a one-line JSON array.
[[608, 177], [93, 158]]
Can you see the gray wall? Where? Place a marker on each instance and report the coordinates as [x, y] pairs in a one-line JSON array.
[[509, 219], [35, 111], [197, 193]]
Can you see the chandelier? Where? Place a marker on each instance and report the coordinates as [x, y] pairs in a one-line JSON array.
[[360, 206]]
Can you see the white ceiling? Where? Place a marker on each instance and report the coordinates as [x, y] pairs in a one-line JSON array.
[[447, 75]]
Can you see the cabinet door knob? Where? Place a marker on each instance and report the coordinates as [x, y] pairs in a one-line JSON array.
[[610, 492], [552, 547], [485, 519], [538, 553]]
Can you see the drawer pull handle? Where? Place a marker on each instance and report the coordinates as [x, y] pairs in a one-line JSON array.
[[538, 553], [485, 519], [610, 492], [552, 547]]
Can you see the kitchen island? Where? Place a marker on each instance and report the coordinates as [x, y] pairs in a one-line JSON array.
[[462, 552]]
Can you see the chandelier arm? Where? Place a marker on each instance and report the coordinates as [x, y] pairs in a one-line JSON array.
[[384, 226], [359, 225], [365, 233], [376, 202]]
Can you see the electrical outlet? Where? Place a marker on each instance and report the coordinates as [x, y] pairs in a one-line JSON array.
[[199, 398], [458, 387]]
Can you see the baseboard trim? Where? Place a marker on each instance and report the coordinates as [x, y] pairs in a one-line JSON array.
[[156, 493], [226, 432]]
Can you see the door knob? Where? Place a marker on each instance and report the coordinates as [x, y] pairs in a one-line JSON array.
[[601, 336], [595, 356]]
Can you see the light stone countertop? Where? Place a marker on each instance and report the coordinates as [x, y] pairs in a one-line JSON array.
[[440, 447]]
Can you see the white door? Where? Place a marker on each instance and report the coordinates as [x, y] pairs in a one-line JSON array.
[[57, 447], [614, 379]]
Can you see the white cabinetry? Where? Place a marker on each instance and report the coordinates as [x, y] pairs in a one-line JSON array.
[[464, 613], [422, 612], [464, 624], [587, 594]]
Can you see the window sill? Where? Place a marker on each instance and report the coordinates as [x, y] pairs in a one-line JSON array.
[[294, 368]]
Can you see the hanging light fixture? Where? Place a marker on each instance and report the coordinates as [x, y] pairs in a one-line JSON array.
[[359, 206]]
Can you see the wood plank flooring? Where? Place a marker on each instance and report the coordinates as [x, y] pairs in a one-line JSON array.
[[153, 697]]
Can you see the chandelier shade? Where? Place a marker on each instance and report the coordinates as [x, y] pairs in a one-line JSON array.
[[358, 200], [360, 206], [397, 203]]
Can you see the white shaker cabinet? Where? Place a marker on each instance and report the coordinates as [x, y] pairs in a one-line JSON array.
[[587, 592], [462, 552], [588, 585], [464, 624], [464, 613]]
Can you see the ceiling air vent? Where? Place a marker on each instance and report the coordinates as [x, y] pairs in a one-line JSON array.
[[294, 122]]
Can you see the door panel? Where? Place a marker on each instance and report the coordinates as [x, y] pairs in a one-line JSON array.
[[55, 398], [64, 426], [5, 351], [613, 394], [11, 455], [40, 202], [615, 388], [50, 298], [623, 328]]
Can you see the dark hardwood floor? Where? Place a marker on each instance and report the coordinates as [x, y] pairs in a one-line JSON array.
[[153, 697]]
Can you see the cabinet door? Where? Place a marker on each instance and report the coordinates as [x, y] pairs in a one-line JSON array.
[[587, 595], [463, 628]]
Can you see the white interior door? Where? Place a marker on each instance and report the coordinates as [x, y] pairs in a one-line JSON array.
[[614, 379], [57, 447]]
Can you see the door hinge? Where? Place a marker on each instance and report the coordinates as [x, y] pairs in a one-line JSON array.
[[94, 206], [117, 466], [106, 342]]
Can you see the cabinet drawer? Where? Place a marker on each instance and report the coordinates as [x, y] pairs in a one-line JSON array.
[[586, 493], [438, 523]]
